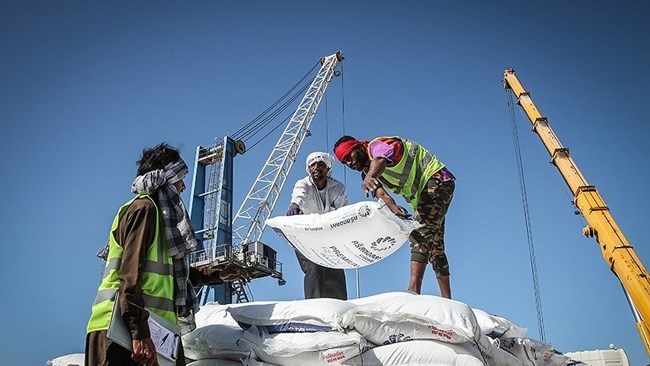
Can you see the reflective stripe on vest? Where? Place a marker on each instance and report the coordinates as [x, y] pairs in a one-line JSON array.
[[151, 301], [157, 277], [410, 175], [149, 266]]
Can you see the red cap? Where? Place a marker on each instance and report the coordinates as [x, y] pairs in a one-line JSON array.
[[345, 148]]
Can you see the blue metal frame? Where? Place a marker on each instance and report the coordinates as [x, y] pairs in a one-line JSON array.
[[223, 238]]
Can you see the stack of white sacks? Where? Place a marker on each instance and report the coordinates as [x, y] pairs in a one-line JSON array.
[[395, 328]]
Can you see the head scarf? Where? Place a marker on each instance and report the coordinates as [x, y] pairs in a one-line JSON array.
[[344, 149], [179, 234], [320, 156]]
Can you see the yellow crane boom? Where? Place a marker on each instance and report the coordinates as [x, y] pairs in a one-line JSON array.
[[617, 250]]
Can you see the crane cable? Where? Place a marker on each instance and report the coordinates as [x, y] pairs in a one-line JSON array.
[[264, 118], [267, 120], [524, 201], [249, 124], [345, 176], [270, 132], [327, 123], [261, 124], [357, 271], [327, 147]]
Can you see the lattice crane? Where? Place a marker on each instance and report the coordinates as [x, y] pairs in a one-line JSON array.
[[239, 240]]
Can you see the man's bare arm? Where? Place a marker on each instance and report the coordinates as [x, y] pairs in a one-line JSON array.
[[370, 182], [390, 202]]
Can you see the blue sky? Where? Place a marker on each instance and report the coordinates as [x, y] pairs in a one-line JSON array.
[[87, 85]]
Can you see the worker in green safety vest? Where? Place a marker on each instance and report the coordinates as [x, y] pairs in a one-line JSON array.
[[147, 268], [404, 167]]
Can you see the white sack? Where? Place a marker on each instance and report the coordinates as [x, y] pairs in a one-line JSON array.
[[315, 348], [533, 353], [75, 359], [214, 313], [503, 358], [415, 353], [405, 317], [495, 356], [217, 335], [351, 237], [216, 341], [215, 362], [378, 297], [253, 362], [496, 326], [293, 316]]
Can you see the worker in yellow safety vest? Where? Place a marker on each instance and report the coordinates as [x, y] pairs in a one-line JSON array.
[[147, 268], [404, 167]]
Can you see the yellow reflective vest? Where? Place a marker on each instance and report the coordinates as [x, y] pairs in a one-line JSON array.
[[409, 177], [157, 277]]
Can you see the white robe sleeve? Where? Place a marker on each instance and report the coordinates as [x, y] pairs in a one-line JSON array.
[[299, 194]]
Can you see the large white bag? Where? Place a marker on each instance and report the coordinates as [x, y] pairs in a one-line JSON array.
[[254, 362], [215, 362], [496, 326], [533, 353], [214, 313], [216, 341], [501, 357], [416, 353], [217, 335], [405, 317], [351, 237], [495, 356], [75, 359], [315, 348], [309, 315], [378, 297]]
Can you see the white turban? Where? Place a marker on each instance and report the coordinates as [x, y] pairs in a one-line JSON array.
[[320, 156]]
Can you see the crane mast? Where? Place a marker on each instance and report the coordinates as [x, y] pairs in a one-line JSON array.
[[250, 220], [617, 251], [226, 240]]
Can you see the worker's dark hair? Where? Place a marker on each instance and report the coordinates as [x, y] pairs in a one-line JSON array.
[[342, 140], [157, 157]]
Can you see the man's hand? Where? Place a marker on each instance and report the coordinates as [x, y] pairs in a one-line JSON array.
[[144, 352], [234, 272], [294, 209], [399, 211], [370, 185]]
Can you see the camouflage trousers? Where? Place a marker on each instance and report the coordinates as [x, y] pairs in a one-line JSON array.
[[428, 242]]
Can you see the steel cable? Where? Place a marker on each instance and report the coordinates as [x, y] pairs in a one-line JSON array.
[[254, 124], [524, 201], [268, 119]]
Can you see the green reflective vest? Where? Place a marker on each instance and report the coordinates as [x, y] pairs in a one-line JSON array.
[[157, 279], [409, 177]]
